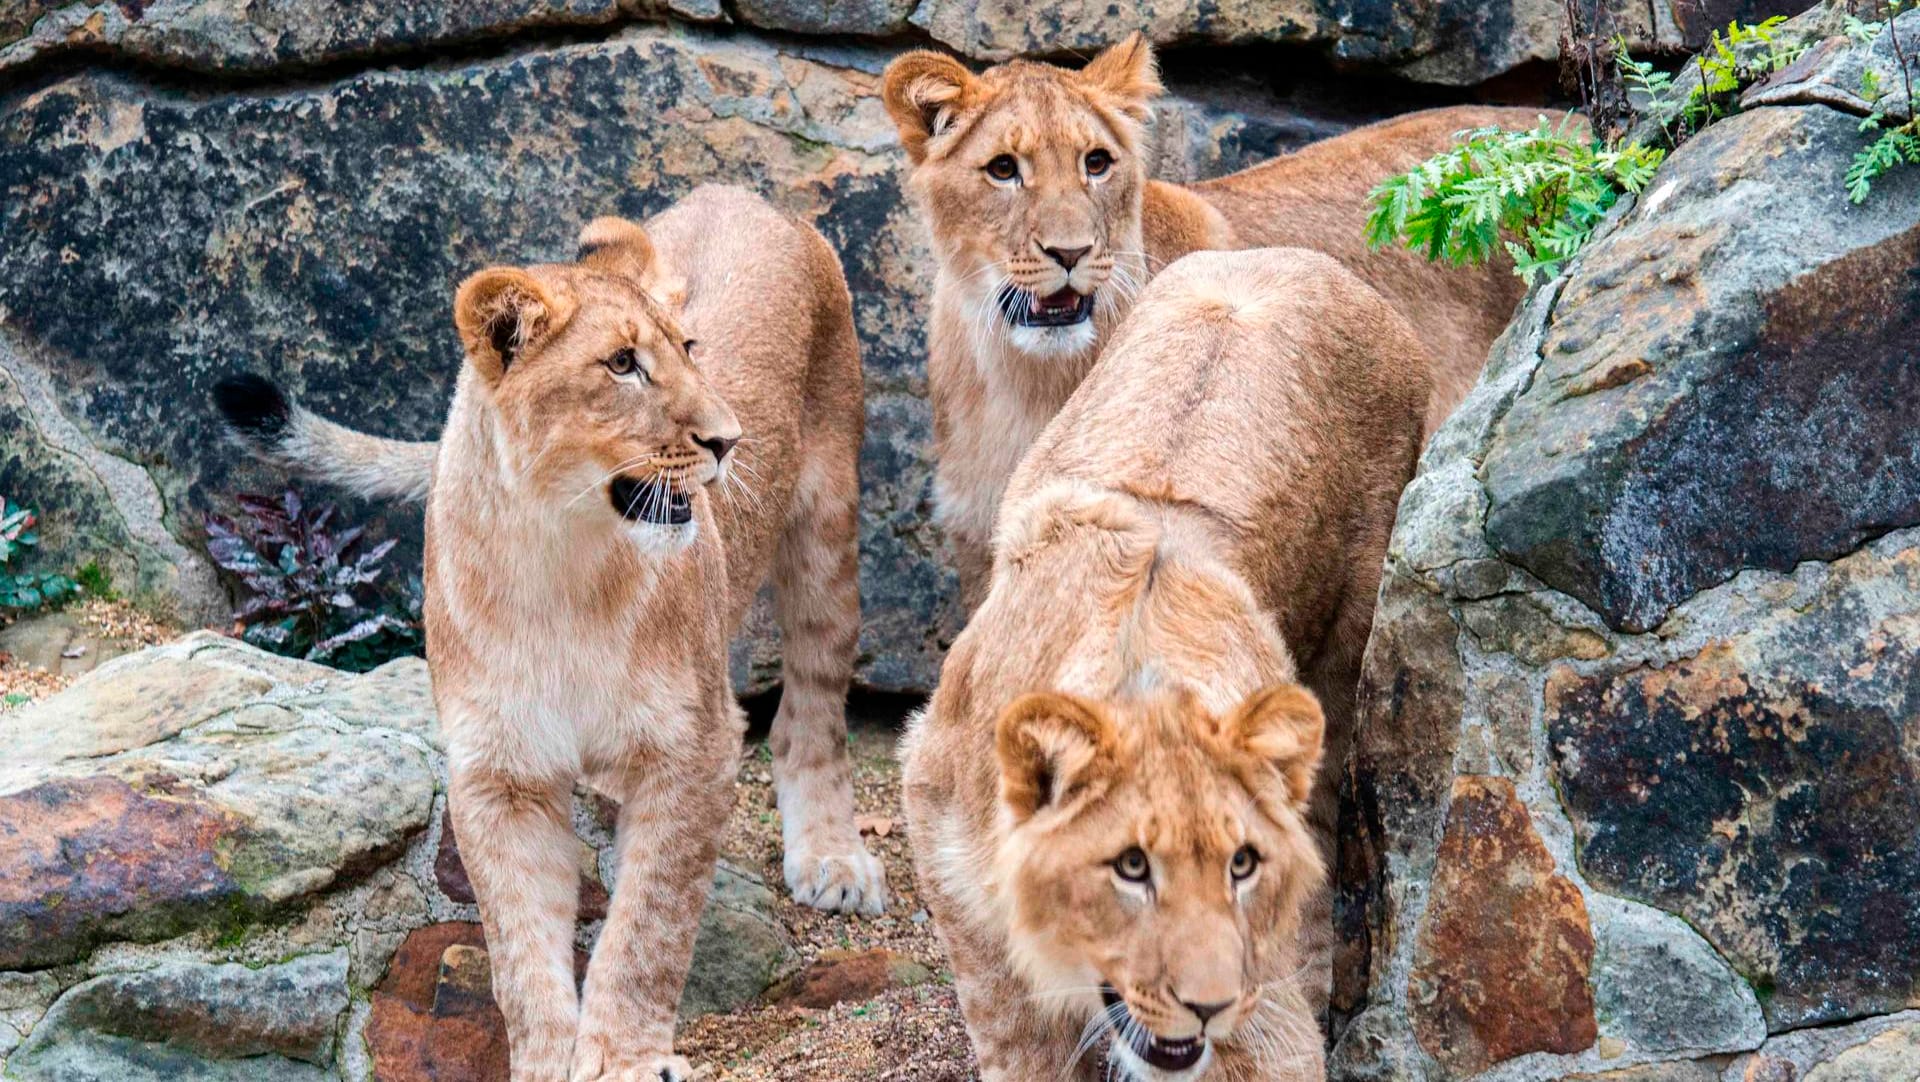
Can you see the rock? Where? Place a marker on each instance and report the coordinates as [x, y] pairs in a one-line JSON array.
[[1504, 951], [182, 1020], [1893, 1056], [153, 797], [1645, 649], [233, 847], [314, 232], [741, 951], [849, 976], [1453, 42], [1634, 498]]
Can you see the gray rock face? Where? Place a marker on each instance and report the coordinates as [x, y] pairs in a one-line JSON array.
[[1656, 580], [193, 1021], [207, 854], [152, 242], [1454, 42]]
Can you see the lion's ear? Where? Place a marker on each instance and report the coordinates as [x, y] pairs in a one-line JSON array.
[[499, 312], [923, 91], [1052, 748], [1127, 71], [618, 246], [1281, 726]]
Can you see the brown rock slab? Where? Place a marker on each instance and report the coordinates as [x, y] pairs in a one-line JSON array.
[[415, 1034], [88, 858], [1504, 949], [115, 709]]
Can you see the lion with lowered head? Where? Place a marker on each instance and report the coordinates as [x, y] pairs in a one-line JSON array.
[[588, 560], [1033, 180], [1113, 797]]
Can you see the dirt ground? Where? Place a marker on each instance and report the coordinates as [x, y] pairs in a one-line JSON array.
[[903, 1035]]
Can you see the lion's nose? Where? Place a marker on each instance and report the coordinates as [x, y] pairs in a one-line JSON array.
[[719, 445], [1205, 1011], [1068, 257]]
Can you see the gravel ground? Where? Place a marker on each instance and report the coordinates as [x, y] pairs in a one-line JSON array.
[[903, 1035]]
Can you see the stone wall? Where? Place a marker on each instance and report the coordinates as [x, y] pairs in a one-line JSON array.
[[190, 188], [1637, 772]]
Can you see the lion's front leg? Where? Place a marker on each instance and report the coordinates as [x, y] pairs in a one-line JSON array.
[[516, 840], [671, 817]]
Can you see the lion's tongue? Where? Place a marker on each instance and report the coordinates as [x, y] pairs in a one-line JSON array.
[[1054, 302]]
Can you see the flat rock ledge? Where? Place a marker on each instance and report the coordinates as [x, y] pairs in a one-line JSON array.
[[217, 864]]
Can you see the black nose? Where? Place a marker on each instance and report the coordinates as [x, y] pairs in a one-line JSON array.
[[1205, 1011], [719, 445], [1067, 257]]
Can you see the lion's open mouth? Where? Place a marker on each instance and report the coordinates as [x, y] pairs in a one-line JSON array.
[[1065, 308], [648, 501], [1154, 1051]]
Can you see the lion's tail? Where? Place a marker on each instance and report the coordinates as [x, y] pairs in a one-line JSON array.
[[306, 445]]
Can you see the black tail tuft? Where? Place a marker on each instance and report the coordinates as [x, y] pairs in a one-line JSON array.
[[254, 407]]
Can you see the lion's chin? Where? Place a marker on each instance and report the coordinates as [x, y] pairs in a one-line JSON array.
[[1053, 343]]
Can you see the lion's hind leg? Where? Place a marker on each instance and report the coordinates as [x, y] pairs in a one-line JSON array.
[[817, 601]]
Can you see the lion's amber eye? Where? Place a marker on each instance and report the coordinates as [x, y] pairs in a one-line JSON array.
[[624, 363], [1098, 162], [1245, 862], [1003, 168], [1132, 866]]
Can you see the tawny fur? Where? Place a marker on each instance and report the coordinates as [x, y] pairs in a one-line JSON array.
[[1205, 518], [566, 641], [994, 386]]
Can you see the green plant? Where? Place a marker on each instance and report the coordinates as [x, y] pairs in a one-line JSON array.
[[25, 589], [315, 593], [95, 581], [1894, 146], [1537, 194]]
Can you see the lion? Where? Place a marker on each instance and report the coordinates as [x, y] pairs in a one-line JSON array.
[[590, 552], [1111, 795], [1033, 181]]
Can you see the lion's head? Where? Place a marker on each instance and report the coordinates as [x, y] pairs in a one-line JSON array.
[[595, 387], [1156, 861], [1031, 176]]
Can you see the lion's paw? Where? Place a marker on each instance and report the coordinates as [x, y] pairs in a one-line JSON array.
[[851, 880], [592, 1062]]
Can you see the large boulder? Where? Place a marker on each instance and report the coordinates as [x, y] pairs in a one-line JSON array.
[[152, 241], [1455, 42], [1637, 772], [220, 864]]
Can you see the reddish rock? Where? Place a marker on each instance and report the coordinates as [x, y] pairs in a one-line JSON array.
[[451, 874], [416, 1034], [85, 859], [1504, 949], [849, 976]]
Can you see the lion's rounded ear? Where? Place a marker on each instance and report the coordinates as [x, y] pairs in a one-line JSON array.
[[1129, 72], [616, 246], [1052, 747], [499, 311], [1281, 726], [922, 91]]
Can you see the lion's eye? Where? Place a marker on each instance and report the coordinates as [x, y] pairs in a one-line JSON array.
[[1098, 162], [1245, 862], [1132, 866], [625, 363], [1004, 168]]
